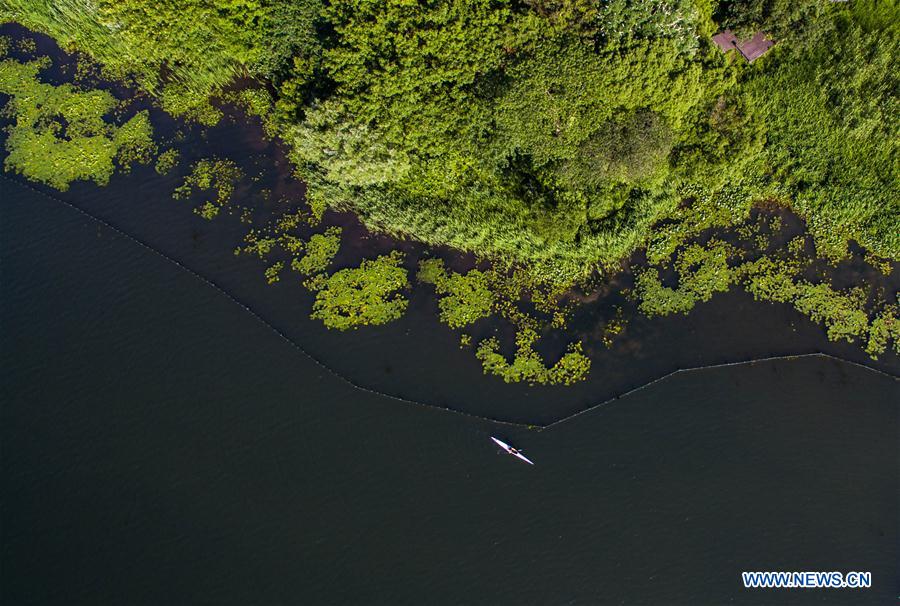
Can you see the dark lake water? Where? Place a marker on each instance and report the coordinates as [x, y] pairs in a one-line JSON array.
[[161, 446]]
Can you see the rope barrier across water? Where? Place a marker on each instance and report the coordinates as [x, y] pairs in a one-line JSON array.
[[346, 380]]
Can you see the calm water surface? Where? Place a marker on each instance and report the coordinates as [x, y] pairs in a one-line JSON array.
[[161, 446]]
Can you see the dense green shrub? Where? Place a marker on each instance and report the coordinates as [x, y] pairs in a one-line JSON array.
[[832, 116], [559, 135], [184, 50]]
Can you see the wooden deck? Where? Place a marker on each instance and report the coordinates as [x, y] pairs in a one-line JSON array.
[[751, 49]]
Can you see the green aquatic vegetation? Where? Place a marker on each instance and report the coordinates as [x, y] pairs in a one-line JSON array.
[[320, 251], [702, 272], [291, 221], [884, 328], [259, 245], [698, 213], [310, 256], [218, 175], [614, 327], [166, 161], [256, 102], [573, 367], [656, 299], [842, 312], [26, 46], [59, 134], [273, 272], [134, 142], [178, 100], [4, 47], [776, 224], [207, 210], [370, 294], [467, 297], [527, 365], [797, 246], [464, 298], [769, 279], [432, 271], [882, 265]]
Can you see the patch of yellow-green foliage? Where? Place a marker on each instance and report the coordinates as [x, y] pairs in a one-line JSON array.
[[702, 271], [367, 295], [528, 366], [218, 175], [465, 298], [273, 272], [883, 329], [166, 161], [847, 314], [843, 312], [320, 249], [309, 256], [59, 133]]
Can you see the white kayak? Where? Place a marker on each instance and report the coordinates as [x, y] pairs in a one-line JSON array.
[[511, 450]]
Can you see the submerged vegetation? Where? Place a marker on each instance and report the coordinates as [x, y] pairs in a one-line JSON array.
[[554, 140]]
